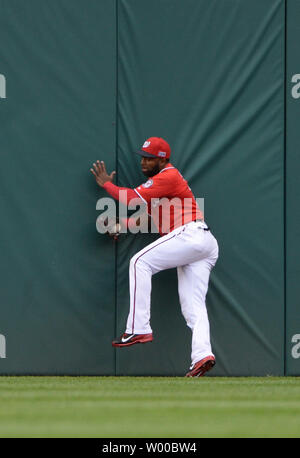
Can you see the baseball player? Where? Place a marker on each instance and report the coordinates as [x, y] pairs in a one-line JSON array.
[[186, 243]]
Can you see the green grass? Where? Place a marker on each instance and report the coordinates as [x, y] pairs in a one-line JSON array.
[[158, 407]]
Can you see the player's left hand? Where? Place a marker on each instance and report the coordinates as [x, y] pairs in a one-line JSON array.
[[112, 225], [100, 173]]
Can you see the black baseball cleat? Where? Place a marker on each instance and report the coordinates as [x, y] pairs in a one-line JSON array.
[[201, 367], [130, 339]]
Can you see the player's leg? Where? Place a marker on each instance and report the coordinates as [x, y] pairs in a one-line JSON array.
[[159, 255], [176, 248], [193, 282], [142, 266], [182, 246], [153, 258]]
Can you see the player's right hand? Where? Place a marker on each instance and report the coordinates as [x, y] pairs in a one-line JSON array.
[[100, 174]]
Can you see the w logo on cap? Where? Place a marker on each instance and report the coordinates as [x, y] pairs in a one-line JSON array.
[[155, 147]]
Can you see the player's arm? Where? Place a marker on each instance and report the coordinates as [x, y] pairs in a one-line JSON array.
[[104, 180], [156, 187]]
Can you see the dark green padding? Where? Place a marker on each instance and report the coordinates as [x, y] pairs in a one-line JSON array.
[[292, 190], [57, 273], [208, 77], [92, 79]]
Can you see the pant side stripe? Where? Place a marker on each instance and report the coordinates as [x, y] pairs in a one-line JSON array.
[[133, 317]]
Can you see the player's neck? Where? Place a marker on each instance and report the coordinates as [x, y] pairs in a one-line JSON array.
[[165, 166]]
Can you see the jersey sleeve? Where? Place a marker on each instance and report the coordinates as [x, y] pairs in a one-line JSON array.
[[124, 197], [156, 187]]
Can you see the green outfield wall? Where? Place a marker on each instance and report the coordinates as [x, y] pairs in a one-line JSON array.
[[292, 207], [82, 80]]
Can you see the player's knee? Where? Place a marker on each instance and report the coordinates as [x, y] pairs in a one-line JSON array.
[[138, 263], [132, 262]]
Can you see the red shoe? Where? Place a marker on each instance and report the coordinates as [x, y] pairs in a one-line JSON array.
[[201, 367], [130, 339]]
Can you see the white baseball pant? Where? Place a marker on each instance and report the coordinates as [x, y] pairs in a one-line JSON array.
[[194, 252]]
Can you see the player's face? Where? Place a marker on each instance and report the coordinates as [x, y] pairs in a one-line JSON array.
[[150, 166]]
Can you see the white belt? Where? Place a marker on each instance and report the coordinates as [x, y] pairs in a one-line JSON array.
[[201, 224]]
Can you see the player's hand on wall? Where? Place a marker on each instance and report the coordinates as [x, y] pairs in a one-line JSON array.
[[100, 173]]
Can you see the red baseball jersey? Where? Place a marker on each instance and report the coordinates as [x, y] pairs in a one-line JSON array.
[[169, 200]]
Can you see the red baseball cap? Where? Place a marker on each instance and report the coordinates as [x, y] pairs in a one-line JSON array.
[[155, 147]]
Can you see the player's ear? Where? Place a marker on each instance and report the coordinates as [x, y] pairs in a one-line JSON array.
[[164, 161]]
